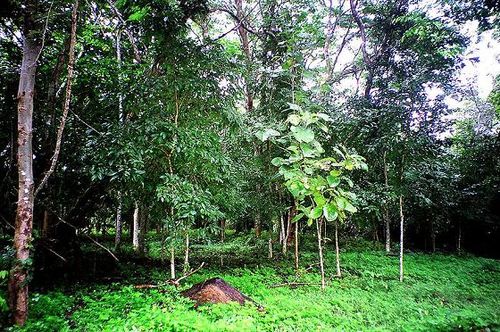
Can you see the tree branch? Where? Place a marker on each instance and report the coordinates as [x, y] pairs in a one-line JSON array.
[[67, 99]]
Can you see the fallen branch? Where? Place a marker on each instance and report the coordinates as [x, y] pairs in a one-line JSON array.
[[177, 281]]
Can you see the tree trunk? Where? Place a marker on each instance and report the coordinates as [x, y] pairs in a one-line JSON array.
[[222, 231], [288, 230], [282, 229], [297, 246], [186, 253], [142, 229], [18, 282], [385, 211], [337, 251], [270, 245], [320, 252], [136, 228], [172, 263], [118, 223], [245, 46], [401, 237], [459, 240]]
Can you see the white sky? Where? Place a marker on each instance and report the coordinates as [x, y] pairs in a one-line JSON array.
[[487, 49]]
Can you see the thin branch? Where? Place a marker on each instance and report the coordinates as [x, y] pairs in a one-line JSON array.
[[137, 55], [366, 58], [67, 99], [56, 254], [88, 237], [44, 33], [85, 123], [193, 271]]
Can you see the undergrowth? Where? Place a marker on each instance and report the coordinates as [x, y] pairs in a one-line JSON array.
[[439, 293]]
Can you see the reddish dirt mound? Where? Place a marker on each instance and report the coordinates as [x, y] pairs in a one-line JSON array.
[[215, 290]]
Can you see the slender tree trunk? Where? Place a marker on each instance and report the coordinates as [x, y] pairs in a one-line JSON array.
[[288, 229], [118, 223], [18, 282], [119, 226], [142, 229], [270, 245], [222, 231], [172, 263], [186, 253], [297, 246], [385, 210], [401, 237], [245, 46], [258, 225], [46, 224], [337, 251], [320, 252], [136, 228], [459, 240]]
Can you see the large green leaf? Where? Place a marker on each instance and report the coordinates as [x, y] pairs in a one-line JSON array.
[[330, 212], [303, 134], [316, 213], [332, 180]]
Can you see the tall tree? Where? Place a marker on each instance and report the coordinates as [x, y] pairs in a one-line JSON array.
[[32, 46]]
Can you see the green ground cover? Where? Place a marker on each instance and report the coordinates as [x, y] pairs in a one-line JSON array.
[[440, 293]]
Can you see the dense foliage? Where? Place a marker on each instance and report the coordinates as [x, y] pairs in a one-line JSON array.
[[168, 124]]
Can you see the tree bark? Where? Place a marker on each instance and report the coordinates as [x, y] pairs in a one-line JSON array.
[[118, 223], [401, 237], [172, 263], [320, 252], [459, 240], [136, 228], [270, 247], [18, 282]]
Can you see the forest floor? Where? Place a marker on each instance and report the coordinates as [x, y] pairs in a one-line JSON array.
[[440, 293]]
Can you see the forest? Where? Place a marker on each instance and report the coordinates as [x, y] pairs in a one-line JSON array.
[[249, 165]]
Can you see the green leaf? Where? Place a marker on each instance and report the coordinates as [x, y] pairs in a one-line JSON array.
[[341, 202], [351, 208], [316, 213], [277, 161], [294, 107], [139, 14], [264, 135], [297, 217], [319, 199], [332, 181], [302, 134], [294, 119], [330, 212]]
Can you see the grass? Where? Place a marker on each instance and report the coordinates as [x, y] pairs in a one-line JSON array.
[[440, 293]]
